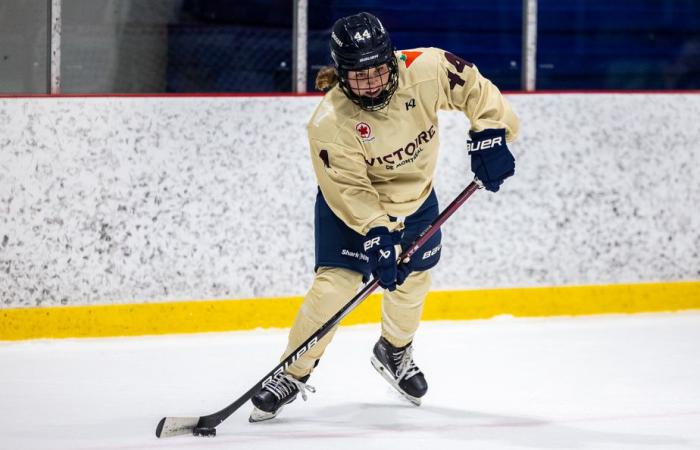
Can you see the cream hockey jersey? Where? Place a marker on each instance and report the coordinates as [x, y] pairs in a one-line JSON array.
[[372, 164]]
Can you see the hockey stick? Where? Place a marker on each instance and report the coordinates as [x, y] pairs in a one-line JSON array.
[[206, 425]]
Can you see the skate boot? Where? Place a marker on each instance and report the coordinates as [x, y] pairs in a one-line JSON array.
[[397, 367], [280, 391]]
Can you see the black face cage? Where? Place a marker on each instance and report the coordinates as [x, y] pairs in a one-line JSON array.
[[372, 103]]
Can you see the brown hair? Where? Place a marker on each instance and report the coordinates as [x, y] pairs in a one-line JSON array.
[[326, 78]]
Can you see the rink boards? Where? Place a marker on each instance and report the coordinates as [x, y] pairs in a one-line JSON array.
[[119, 214], [218, 315]]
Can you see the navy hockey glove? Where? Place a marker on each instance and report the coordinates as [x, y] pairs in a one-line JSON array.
[[379, 247], [492, 162], [402, 272]]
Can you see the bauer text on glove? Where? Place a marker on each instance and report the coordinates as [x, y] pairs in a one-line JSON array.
[[492, 162]]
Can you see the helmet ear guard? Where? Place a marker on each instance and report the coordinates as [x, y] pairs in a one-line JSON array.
[[358, 43]]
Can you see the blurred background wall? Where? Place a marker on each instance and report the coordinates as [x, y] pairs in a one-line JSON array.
[[157, 46]]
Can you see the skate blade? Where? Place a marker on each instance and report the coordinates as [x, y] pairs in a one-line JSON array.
[[384, 372], [258, 415]]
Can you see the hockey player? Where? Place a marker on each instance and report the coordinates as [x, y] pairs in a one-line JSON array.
[[374, 147]]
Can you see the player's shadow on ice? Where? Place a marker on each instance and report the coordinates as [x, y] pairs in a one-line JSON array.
[[450, 423]]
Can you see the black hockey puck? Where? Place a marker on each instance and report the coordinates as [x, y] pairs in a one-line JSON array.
[[203, 431]]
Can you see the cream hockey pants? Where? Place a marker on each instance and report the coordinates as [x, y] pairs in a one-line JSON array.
[[334, 287]]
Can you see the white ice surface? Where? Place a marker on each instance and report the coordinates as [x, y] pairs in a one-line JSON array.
[[607, 382]]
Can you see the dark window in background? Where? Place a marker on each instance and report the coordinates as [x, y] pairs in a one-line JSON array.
[[115, 46], [188, 46], [153, 46], [231, 46], [487, 33], [23, 46], [620, 44]]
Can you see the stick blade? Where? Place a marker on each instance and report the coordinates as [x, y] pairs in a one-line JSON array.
[[175, 426]]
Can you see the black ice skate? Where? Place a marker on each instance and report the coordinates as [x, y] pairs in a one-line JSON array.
[[280, 391], [397, 367]]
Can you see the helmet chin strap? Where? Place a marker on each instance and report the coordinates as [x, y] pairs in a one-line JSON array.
[[378, 99]]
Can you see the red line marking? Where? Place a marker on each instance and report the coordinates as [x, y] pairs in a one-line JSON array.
[[319, 94]]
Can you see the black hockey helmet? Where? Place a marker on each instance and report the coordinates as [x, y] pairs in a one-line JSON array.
[[360, 42]]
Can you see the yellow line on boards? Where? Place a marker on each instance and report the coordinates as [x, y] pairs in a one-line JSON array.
[[225, 315]]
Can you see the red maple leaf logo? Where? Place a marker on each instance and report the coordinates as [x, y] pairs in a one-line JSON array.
[[364, 130]]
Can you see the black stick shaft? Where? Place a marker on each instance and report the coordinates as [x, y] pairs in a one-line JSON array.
[[215, 419]]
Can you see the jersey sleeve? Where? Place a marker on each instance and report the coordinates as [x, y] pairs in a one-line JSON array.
[[461, 87], [341, 173]]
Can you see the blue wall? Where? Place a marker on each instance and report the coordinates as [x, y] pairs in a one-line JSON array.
[[620, 44], [582, 44]]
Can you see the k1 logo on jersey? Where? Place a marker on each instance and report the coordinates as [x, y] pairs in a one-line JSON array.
[[365, 132]]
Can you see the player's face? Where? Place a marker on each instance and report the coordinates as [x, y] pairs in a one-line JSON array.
[[369, 82]]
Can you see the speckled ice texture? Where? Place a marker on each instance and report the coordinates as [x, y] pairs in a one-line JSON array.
[[122, 200]]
